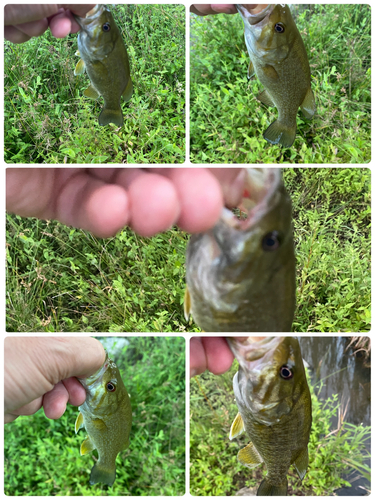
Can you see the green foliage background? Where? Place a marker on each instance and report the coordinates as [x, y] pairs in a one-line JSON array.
[[42, 456], [215, 471], [47, 119], [63, 279], [227, 121]]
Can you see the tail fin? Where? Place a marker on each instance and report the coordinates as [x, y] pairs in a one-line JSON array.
[[278, 133], [266, 489], [111, 116], [102, 474]]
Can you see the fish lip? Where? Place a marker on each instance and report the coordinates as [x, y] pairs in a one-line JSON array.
[[255, 20], [265, 183], [92, 379], [91, 17]]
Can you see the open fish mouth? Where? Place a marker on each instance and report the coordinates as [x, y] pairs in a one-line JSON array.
[[91, 16], [259, 19], [260, 191]]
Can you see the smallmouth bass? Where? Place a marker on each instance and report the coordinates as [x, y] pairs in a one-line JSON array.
[[104, 57], [240, 275], [274, 406], [279, 59], [107, 417]]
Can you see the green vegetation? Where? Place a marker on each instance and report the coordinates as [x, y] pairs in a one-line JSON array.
[[48, 120], [42, 456], [215, 470], [63, 279], [227, 121]]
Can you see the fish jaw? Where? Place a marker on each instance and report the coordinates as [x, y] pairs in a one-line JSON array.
[[229, 268]]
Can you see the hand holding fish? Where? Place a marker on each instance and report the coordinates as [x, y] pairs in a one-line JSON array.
[[40, 371], [105, 200], [23, 22], [207, 9]]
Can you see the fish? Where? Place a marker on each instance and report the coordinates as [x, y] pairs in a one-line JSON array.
[[279, 59], [274, 408], [107, 417], [105, 59], [240, 275]]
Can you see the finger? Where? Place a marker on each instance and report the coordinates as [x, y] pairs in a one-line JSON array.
[[207, 9], [77, 393], [91, 204], [26, 13], [28, 409], [80, 9], [218, 354], [29, 191], [198, 361], [66, 357], [35, 28], [232, 181], [60, 25], [224, 8], [200, 198], [12, 34], [54, 402], [154, 204]]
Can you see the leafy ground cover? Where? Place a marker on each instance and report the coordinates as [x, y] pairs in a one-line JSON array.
[[48, 120], [64, 279], [226, 120], [42, 456], [333, 452]]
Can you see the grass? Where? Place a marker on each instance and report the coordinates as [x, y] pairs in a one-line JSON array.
[[62, 279], [42, 456], [215, 471], [47, 119], [227, 121]]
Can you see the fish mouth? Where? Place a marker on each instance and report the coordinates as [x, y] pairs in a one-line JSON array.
[[261, 185], [91, 16], [250, 353], [259, 19], [92, 379]]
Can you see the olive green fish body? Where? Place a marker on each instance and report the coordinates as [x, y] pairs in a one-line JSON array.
[[279, 59], [241, 274], [107, 416], [274, 405], [105, 59]]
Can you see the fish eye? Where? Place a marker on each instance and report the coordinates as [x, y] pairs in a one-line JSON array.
[[286, 373], [271, 241], [106, 27], [110, 387], [279, 28]]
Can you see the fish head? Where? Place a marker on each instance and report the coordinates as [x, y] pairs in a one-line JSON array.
[[99, 32], [271, 377], [269, 34], [242, 259], [104, 389]]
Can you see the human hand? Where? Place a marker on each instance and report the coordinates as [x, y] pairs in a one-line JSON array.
[[40, 371], [209, 353], [206, 9], [105, 200], [23, 22]]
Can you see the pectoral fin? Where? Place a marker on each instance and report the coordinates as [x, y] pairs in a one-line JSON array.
[[237, 427], [301, 463], [79, 422], [308, 105], [80, 68], [128, 92], [91, 93], [266, 99], [250, 70], [249, 456], [86, 446], [187, 304]]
